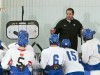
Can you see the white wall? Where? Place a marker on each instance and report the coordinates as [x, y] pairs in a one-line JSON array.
[[48, 13], [0, 17]]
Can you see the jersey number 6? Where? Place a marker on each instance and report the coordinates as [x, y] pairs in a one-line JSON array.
[[55, 59]]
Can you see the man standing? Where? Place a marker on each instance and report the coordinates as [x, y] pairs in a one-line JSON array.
[[68, 28]]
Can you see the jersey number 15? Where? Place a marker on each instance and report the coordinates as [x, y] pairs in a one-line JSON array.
[[71, 55], [98, 48]]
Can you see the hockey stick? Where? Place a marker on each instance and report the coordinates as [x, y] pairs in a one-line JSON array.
[[33, 44], [4, 46], [39, 47], [15, 32]]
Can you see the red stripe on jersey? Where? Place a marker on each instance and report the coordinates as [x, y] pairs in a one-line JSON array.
[[21, 49], [29, 63], [21, 54], [10, 62]]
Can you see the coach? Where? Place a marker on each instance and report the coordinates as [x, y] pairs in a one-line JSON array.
[[68, 28]]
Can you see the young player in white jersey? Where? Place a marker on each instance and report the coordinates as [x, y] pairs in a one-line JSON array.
[[3, 49], [21, 59], [90, 51], [52, 58], [2, 52], [72, 65]]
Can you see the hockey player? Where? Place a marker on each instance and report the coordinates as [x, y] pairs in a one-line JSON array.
[[72, 65], [15, 45], [3, 49], [20, 59], [1, 56], [90, 51], [52, 58]]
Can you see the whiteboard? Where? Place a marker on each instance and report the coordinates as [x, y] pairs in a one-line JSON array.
[[31, 27]]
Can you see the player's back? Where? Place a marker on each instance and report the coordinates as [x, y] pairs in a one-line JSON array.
[[52, 55], [55, 52], [18, 57], [92, 49], [23, 56], [71, 61]]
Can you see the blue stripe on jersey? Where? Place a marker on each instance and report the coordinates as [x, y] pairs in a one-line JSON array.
[[76, 73], [88, 67]]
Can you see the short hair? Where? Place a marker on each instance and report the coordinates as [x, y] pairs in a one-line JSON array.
[[70, 9]]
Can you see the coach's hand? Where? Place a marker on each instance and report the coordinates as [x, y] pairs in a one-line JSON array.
[[52, 31]]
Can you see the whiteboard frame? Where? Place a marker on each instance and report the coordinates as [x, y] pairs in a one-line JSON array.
[[27, 22]]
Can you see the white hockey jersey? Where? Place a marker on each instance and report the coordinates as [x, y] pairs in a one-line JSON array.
[[15, 45], [2, 53], [91, 52], [15, 57], [50, 56], [71, 63]]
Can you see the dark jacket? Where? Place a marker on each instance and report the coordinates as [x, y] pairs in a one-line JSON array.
[[70, 30]]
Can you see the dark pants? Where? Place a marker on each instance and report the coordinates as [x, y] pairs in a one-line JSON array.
[[6, 72], [1, 70], [51, 71]]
